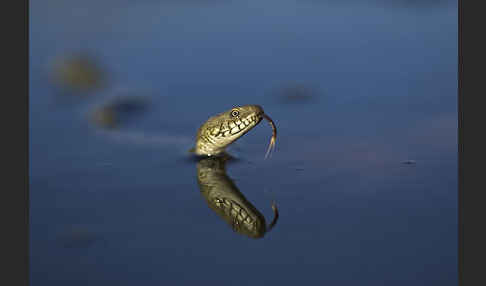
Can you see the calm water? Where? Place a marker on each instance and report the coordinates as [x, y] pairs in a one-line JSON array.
[[124, 207]]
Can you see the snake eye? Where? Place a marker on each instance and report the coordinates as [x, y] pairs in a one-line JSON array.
[[235, 113]]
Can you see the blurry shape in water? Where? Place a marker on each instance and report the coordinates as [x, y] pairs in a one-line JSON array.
[[78, 237], [78, 73], [119, 109], [296, 93], [409, 162], [224, 198]]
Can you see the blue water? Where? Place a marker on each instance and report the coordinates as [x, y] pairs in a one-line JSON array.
[[124, 208]]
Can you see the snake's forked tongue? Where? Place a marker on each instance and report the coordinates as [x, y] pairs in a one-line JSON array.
[[271, 146]]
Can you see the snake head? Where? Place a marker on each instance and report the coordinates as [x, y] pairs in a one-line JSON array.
[[222, 129]]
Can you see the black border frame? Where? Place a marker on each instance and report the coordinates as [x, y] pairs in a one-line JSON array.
[[15, 195], [470, 86]]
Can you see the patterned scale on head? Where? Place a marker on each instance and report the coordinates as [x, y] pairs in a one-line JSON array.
[[221, 130]]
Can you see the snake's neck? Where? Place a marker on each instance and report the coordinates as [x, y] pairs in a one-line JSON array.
[[207, 147]]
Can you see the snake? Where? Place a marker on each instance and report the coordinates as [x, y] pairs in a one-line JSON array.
[[212, 138], [222, 129], [224, 198]]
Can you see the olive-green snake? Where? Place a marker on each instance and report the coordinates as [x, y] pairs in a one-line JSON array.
[[224, 128], [212, 138]]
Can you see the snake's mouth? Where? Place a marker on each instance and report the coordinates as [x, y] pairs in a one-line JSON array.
[[237, 127]]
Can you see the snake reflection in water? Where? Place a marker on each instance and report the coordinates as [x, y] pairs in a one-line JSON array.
[[224, 198]]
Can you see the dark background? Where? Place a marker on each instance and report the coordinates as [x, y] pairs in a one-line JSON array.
[[121, 207]]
